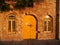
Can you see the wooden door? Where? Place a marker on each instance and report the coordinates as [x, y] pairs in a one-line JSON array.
[[29, 27]]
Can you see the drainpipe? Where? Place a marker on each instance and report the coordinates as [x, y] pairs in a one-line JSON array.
[[57, 20]]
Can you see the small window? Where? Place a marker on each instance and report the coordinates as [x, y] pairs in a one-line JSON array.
[[11, 23], [9, 26], [48, 23]]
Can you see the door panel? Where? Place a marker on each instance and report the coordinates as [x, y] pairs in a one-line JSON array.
[[29, 27]]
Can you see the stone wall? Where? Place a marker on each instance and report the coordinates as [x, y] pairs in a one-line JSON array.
[[40, 10]]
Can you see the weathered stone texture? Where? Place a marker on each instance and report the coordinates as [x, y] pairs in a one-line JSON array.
[[40, 10]]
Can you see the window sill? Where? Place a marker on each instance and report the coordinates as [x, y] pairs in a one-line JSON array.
[[47, 31], [12, 32]]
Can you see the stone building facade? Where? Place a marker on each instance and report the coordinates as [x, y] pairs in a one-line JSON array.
[[41, 10]]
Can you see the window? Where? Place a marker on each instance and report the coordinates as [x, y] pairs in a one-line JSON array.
[[48, 23], [11, 23]]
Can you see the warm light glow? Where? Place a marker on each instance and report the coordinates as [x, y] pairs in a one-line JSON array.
[[47, 16]]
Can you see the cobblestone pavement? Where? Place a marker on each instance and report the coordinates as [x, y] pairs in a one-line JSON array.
[[31, 42]]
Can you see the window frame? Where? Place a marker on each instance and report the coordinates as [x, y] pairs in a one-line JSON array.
[[11, 19], [47, 20]]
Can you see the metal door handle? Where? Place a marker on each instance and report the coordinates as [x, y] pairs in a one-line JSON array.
[[29, 25]]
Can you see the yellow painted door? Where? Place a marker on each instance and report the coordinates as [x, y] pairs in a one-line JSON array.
[[29, 27]]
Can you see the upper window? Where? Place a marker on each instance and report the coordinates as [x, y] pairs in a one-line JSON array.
[[48, 23], [11, 23]]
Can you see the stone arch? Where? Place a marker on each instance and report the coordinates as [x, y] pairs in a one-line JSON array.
[[32, 23]]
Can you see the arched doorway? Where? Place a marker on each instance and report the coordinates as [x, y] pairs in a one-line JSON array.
[[29, 27]]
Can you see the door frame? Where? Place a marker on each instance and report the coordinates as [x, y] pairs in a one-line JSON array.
[[36, 25]]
